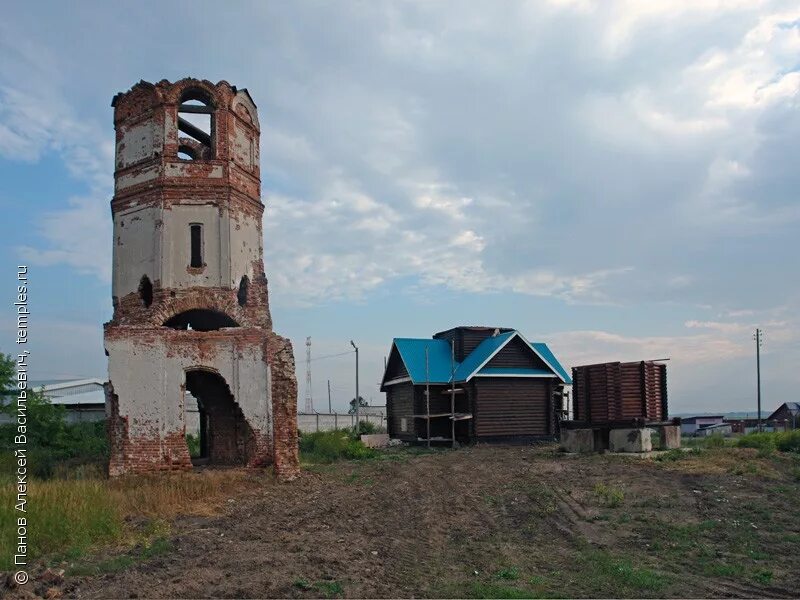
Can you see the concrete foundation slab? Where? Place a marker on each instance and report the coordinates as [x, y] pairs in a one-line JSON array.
[[630, 440], [375, 440], [669, 437], [577, 440]]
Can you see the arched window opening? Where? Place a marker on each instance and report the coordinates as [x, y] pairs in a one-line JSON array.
[[244, 288], [200, 319], [186, 152], [196, 124], [196, 245], [145, 291]]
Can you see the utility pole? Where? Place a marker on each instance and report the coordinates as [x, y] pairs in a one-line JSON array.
[[309, 401], [759, 338], [358, 402], [329, 397]]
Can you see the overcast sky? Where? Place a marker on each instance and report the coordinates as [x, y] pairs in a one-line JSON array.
[[617, 179]]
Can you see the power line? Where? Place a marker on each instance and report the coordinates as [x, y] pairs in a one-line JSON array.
[[302, 362]]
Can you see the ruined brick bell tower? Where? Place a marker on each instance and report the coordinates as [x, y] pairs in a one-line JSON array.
[[191, 326]]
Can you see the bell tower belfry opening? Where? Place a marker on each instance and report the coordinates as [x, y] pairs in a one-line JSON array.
[[191, 306]]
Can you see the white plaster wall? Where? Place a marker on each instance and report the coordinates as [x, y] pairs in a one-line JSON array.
[[142, 247], [138, 142], [147, 379], [243, 146], [136, 249], [136, 177], [245, 247], [177, 246], [185, 169]]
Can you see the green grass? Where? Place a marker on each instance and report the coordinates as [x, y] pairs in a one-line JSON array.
[[713, 441], [605, 572], [507, 573], [493, 590], [763, 576], [64, 516], [331, 446], [329, 589], [769, 442], [302, 584], [156, 547], [611, 496]]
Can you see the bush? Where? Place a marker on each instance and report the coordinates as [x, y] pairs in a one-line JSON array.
[[715, 440], [367, 428], [73, 449], [769, 442], [193, 442], [763, 442], [788, 441], [54, 446], [330, 446]]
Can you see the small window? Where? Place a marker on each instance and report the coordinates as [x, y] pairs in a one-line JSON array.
[[146, 291], [196, 238], [244, 286], [403, 424]]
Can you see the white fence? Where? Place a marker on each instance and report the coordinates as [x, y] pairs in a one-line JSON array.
[[330, 421]]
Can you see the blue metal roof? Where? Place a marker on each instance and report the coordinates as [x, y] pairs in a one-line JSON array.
[[412, 352], [481, 354], [548, 357]]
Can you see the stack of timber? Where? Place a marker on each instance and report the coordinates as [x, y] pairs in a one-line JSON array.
[[617, 391]]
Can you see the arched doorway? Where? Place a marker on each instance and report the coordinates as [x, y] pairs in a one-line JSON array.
[[225, 436]]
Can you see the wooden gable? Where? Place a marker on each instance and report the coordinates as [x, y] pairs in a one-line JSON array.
[[516, 354], [395, 368]]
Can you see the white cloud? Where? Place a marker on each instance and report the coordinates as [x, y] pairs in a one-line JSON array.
[[455, 150]]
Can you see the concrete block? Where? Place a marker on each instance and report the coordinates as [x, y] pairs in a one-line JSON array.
[[375, 440], [577, 440], [630, 440], [669, 437]]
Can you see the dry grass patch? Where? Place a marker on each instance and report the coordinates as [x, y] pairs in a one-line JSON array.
[[722, 461], [69, 517], [166, 496]]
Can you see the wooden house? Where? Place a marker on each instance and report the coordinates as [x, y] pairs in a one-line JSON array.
[[786, 416], [472, 384]]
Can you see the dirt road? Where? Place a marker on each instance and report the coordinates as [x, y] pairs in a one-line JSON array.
[[490, 521]]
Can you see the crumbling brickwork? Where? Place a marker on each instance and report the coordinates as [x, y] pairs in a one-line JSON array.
[[191, 319]]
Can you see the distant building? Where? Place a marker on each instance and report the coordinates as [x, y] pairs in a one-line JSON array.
[[691, 425], [484, 383], [749, 425], [787, 416], [725, 429], [83, 399]]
